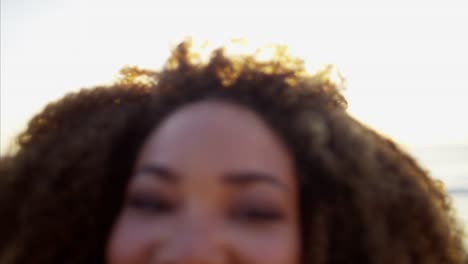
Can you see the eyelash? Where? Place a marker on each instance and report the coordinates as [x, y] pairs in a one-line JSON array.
[[258, 215], [153, 205], [156, 205]]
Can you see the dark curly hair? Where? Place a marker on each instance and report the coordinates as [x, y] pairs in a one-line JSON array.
[[362, 198]]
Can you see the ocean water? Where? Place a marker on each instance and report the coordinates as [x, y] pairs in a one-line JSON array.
[[448, 163], [461, 205]]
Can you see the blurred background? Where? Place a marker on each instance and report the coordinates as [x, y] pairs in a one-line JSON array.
[[405, 61]]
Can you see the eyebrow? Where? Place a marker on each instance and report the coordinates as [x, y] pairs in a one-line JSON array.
[[238, 178], [158, 171], [243, 178]]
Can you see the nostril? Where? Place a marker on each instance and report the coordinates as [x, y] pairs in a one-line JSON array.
[[191, 245]]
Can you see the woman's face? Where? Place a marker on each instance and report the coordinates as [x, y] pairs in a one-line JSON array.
[[212, 184]]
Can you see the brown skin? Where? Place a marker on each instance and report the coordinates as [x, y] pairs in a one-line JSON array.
[[213, 184]]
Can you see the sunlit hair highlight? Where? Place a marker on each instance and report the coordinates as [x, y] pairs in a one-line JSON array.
[[362, 198]]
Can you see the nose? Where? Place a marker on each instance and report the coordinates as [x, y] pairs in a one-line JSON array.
[[192, 242]]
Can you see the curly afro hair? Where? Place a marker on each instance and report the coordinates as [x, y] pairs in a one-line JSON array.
[[362, 198]]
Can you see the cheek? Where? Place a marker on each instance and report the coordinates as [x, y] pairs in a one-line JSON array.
[[131, 242], [273, 247], [137, 241]]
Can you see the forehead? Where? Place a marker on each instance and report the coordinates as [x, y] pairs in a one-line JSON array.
[[214, 137]]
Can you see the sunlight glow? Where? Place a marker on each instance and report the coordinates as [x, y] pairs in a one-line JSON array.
[[404, 63]]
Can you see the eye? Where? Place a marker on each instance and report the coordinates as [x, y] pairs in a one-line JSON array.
[[258, 215], [150, 204]]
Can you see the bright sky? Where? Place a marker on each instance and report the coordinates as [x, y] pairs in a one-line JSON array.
[[405, 61]]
